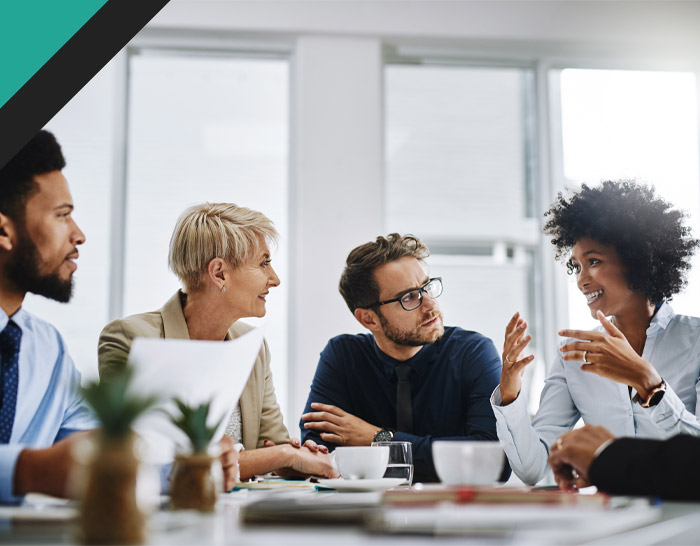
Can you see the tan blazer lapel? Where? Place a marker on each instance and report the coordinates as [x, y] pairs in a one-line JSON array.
[[174, 324]]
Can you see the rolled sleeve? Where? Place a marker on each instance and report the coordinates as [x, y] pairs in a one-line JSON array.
[[8, 462]]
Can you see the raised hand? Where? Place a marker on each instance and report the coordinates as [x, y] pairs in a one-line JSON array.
[[610, 355], [513, 362]]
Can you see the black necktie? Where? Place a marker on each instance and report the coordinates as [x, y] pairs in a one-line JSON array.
[[404, 410], [10, 339]]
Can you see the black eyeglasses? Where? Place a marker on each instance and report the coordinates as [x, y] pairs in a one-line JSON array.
[[412, 299]]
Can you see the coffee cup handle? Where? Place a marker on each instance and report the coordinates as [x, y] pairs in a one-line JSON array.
[[333, 463]]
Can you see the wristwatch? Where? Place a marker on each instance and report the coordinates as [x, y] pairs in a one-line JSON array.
[[384, 435], [655, 396]]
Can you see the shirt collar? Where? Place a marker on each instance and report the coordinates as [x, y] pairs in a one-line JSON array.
[[418, 362], [662, 317], [19, 318]]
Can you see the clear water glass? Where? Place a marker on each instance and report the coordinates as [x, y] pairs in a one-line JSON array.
[[400, 461]]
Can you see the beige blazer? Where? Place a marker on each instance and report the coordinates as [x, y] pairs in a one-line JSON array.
[[260, 413]]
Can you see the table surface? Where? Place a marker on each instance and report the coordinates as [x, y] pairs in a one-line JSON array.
[[671, 523]]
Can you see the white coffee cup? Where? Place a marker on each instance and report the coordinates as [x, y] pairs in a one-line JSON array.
[[360, 462], [468, 463]]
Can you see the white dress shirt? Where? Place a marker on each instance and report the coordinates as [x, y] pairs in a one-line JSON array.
[[672, 347], [49, 404]]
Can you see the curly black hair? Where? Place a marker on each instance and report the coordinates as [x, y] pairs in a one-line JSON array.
[[653, 244], [41, 155]]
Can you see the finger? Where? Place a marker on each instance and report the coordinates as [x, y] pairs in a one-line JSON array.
[[268, 443], [295, 442], [518, 347], [332, 438], [578, 356], [610, 328], [327, 407], [321, 416], [518, 365], [582, 334], [590, 346], [323, 449], [511, 323], [581, 482], [323, 426], [311, 445], [229, 459], [226, 443], [515, 334]]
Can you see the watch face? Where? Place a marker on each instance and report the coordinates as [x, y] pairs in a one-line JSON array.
[[383, 436], [656, 398]]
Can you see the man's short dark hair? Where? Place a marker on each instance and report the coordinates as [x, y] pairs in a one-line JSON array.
[[41, 155], [357, 283]]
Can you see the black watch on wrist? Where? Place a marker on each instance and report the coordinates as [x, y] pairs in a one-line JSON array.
[[384, 435], [655, 396]]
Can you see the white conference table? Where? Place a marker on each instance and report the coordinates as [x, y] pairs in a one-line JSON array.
[[669, 523]]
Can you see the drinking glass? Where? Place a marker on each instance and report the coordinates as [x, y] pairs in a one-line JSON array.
[[400, 461]]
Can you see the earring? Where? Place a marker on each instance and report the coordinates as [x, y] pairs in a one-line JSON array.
[[223, 288]]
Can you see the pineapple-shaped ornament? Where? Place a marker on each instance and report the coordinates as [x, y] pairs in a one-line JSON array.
[[109, 510], [197, 476]]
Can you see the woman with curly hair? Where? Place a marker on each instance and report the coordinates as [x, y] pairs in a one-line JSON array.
[[636, 374]]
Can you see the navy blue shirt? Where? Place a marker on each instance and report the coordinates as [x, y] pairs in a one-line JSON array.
[[451, 383]]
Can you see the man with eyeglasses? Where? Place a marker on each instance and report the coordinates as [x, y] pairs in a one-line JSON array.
[[411, 379]]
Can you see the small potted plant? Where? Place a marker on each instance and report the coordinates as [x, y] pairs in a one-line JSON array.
[[196, 476], [109, 510]]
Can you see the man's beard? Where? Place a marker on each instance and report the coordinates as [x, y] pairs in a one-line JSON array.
[[23, 271], [410, 338]]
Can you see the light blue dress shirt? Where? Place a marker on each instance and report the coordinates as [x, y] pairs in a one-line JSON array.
[[49, 405], [672, 347]]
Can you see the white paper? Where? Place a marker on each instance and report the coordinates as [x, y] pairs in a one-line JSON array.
[[195, 372]]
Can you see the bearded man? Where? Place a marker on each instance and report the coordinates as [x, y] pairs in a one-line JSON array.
[[40, 403], [409, 380]]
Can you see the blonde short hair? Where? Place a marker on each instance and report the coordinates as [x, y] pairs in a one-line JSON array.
[[215, 230]]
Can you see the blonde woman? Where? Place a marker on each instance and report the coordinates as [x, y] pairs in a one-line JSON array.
[[220, 252]]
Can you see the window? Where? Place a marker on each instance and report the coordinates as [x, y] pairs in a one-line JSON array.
[[459, 139], [204, 128], [84, 128]]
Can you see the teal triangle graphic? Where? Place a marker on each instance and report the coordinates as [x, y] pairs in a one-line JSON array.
[[31, 31]]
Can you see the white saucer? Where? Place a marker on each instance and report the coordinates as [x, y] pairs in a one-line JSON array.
[[380, 484]]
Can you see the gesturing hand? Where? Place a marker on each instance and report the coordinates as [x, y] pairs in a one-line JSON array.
[[610, 355], [338, 426], [571, 455], [513, 365]]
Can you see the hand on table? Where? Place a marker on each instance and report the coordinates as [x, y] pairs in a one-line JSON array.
[[47, 470], [338, 426], [570, 457], [302, 462], [295, 442], [610, 355], [513, 362], [229, 463]]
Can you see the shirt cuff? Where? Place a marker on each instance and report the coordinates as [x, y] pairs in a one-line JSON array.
[[667, 414], [8, 462], [602, 447]]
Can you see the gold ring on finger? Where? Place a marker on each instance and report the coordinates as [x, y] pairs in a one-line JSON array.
[[509, 361], [559, 443], [584, 357]]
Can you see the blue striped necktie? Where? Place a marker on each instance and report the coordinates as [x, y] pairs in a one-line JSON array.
[[10, 339]]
